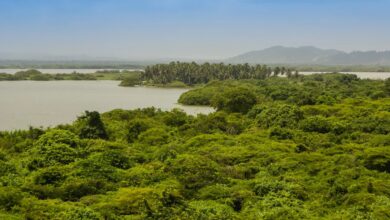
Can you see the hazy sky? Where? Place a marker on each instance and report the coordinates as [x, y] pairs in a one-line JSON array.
[[139, 29]]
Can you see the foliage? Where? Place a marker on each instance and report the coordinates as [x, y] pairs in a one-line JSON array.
[[91, 126], [193, 73], [327, 89], [234, 100], [131, 80], [311, 147]]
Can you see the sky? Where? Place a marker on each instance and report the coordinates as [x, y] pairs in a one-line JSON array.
[[191, 29]]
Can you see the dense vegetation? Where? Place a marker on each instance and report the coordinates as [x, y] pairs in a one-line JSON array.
[[312, 147], [36, 75], [326, 89], [193, 73]]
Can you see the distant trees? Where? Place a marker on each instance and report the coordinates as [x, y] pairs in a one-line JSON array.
[[30, 74], [131, 80], [387, 86], [313, 89], [193, 73], [27, 73], [36, 75]]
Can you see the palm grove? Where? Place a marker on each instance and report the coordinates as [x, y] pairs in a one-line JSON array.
[[298, 147], [193, 73]]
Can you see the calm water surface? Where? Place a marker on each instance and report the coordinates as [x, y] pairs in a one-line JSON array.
[[361, 75], [36, 103], [54, 71]]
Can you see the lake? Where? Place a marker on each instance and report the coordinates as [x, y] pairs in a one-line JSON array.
[[49, 103], [361, 75], [54, 71]]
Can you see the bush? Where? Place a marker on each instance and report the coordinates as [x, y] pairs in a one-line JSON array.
[[195, 172], [76, 188], [176, 117], [56, 136], [117, 159], [91, 126], [196, 97], [52, 175], [238, 100], [53, 155], [131, 81], [281, 133], [316, 124], [136, 127], [208, 209], [377, 159], [280, 115], [214, 192], [97, 167], [130, 201], [9, 197], [145, 175], [81, 213], [154, 137]]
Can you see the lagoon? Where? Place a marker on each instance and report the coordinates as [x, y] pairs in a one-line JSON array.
[[361, 75], [49, 103], [55, 71]]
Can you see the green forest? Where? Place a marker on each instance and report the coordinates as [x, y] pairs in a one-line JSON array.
[[295, 147]]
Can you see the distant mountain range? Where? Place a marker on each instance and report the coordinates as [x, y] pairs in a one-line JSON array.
[[306, 55], [311, 56]]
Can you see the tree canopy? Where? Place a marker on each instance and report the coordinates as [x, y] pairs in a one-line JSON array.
[[311, 147], [193, 73]]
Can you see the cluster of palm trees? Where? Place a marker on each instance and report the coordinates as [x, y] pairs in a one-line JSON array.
[[193, 73]]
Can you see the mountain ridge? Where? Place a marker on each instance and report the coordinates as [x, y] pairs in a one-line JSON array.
[[311, 55]]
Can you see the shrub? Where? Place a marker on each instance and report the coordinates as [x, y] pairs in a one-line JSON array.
[[56, 136], [176, 117], [9, 197], [316, 124], [91, 126], [195, 172], [76, 188], [51, 175], [136, 127], [238, 100], [208, 209], [154, 136], [377, 159], [281, 133], [281, 115]]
